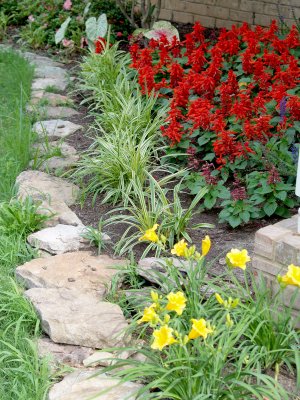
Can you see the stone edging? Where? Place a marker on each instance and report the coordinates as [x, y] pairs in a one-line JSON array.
[[66, 285]]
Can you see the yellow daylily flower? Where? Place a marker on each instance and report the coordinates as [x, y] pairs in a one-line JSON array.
[[176, 302], [237, 258], [292, 277], [149, 315], [199, 328], [230, 303], [206, 244], [219, 298], [150, 235], [163, 337], [154, 296], [180, 248], [229, 322]]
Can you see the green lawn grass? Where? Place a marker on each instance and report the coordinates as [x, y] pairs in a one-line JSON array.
[[22, 375], [15, 133]]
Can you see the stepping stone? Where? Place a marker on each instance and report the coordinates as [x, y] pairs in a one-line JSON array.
[[59, 213], [45, 162], [45, 111], [104, 359], [55, 83], [153, 269], [86, 385], [77, 318], [41, 186], [55, 128], [59, 239], [80, 271], [59, 112], [44, 149], [49, 71], [40, 60], [63, 353], [53, 99]]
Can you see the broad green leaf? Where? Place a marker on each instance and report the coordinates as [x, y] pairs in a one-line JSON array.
[[270, 208], [60, 34], [102, 26]]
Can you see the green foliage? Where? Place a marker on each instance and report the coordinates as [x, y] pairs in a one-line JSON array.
[[271, 334], [237, 212], [151, 205], [15, 130], [47, 17], [95, 236], [21, 217], [23, 375], [126, 144], [4, 20], [215, 192], [231, 363], [272, 197]]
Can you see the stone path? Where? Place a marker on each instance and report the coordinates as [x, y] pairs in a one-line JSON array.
[[67, 286]]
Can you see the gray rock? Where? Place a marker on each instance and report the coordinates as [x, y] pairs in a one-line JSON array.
[[104, 359], [80, 271], [50, 71], [59, 213], [63, 353], [43, 149], [52, 99], [59, 112], [41, 186], [76, 318], [86, 385], [43, 160], [155, 270], [55, 128], [59, 84], [45, 111], [59, 239], [40, 60]]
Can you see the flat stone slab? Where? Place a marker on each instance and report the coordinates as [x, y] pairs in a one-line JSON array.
[[40, 60], [50, 71], [68, 156], [80, 319], [45, 111], [59, 239], [79, 271], [59, 112], [59, 213], [59, 84], [52, 99], [55, 128], [63, 353], [41, 186], [104, 359], [86, 385], [151, 268]]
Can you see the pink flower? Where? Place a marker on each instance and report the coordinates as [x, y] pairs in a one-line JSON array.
[[31, 18], [119, 34], [67, 5], [67, 43]]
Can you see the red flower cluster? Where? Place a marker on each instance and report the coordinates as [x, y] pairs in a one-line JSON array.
[[225, 88], [100, 45]]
